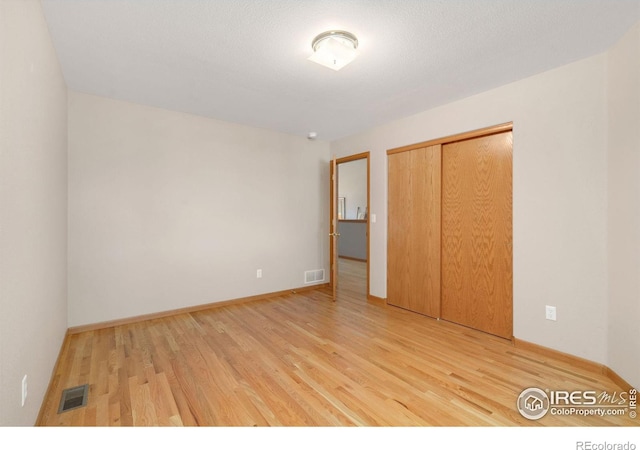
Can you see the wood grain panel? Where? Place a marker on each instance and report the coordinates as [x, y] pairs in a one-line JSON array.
[[477, 272], [413, 268]]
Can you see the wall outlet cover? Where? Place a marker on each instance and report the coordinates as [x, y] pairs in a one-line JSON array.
[[550, 312]]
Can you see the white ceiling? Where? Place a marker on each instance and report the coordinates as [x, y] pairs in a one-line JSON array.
[[245, 61]]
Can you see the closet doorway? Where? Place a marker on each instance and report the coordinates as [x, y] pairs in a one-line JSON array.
[[349, 216], [450, 229]]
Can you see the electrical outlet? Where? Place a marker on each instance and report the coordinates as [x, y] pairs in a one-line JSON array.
[[24, 390], [550, 312], [259, 273]]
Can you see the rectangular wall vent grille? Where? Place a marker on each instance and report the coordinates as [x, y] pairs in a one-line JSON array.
[[73, 398], [313, 276]]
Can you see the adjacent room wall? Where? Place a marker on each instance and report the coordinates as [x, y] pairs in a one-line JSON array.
[[33, 209], [624, 206], [170, 210], [352, 185], [559, 204]]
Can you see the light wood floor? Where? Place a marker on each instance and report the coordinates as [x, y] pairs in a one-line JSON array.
[[303, 360]]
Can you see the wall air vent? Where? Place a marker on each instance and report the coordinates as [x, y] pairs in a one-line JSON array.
[[313, 276], [73, 398]]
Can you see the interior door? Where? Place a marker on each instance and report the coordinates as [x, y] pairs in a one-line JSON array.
[[477, 233], [413, 269], [334, 186], [334, 235]]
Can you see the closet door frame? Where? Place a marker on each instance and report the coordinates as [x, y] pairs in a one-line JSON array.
[[455, 137]]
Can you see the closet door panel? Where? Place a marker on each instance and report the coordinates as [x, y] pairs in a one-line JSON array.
[[477, 233], [413, 264]]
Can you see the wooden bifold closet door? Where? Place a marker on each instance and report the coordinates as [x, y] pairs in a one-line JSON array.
[[413, 264]]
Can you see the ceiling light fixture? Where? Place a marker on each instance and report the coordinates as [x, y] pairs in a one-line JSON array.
[[334, 49]]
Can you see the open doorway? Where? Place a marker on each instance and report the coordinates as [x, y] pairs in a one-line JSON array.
[[350, 194]]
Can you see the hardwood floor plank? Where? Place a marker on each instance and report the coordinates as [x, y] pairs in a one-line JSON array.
[[142, 406]]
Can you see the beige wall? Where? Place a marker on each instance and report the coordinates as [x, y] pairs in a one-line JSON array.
[[560, 182], [624, 206], [33, 209], [169, 210]]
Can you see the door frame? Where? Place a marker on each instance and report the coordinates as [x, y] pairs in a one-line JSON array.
[[333, 196]]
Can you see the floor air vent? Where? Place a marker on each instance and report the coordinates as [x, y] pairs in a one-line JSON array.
[[72, 398], [313, 276]]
